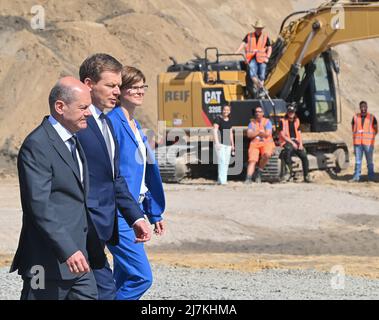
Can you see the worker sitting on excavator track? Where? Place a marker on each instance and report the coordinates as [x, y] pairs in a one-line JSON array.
[[261, 145], [292, 142], [258, 50]]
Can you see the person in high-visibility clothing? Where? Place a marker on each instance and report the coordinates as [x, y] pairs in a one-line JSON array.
[[257, 49], [365, 128], [292, 141], [261, 145]]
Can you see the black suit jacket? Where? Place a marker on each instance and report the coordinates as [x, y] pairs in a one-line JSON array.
[[55, 220]]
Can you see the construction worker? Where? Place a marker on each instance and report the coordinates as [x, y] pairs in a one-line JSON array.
[[292, 141], [365, 128], [261, 145], [258, 50]]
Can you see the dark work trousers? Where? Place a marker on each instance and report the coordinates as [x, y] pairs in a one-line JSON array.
[[82, 288], [289, 151]]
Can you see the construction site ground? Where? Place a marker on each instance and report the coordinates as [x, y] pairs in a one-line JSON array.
[[321, 225]]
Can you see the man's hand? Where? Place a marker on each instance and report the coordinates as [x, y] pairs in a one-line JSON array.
[[262, 134], [294, 144], [301, 147], [77, 263], [159, 228], [142, 231]]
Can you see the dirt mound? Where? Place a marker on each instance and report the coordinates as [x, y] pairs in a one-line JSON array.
[[143, 33]]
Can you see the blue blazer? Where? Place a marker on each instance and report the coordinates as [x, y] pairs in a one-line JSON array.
[[131, 166], [107, 193]]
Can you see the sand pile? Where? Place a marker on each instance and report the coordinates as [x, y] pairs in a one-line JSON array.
[[143, 33]]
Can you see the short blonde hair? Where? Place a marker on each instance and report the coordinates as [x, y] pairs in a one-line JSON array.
[[130, 76]]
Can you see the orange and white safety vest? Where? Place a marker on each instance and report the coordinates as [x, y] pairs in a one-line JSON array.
[[260, 45], [286, 130], [260, 126], [364, 135]]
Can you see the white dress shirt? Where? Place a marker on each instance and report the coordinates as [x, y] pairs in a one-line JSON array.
[[96, 115], [66, 135], [142, 151]]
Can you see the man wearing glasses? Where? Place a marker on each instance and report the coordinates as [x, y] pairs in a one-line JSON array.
[[261, 145]]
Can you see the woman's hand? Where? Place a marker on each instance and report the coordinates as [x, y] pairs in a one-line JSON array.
[[159, 228]]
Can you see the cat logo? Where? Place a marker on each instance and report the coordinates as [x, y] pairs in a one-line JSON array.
[[212, 97], [213, 100]]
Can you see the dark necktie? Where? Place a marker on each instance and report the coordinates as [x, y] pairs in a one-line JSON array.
[[73, 143]]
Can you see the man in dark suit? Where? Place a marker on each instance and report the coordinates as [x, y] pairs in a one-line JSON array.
[[58, 243], [101, 73]]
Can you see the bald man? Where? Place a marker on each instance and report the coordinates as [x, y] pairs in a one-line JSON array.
[[58, 244]]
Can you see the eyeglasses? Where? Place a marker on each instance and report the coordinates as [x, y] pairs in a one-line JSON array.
[[135, 89], [258, 111]]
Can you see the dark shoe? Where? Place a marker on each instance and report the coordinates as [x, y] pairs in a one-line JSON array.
[[258, 178], [371, 176], [249, 180], [286, 177], [261, 93], [355, 179], [307, 179]]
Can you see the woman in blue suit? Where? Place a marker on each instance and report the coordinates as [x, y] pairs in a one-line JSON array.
[[138, 166]]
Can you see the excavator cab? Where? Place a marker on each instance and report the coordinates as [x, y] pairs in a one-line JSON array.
[[314, 92]]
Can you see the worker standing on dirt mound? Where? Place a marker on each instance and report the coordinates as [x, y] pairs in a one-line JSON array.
[[365, 128], [292, 141], [258, 50], [261, 145]]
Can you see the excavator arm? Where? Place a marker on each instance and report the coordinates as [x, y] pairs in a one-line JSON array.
[[304, 39]]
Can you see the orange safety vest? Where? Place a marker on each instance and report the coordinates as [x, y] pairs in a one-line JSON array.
[[252, 45], [364, 135], [286, 130], [256, 127]]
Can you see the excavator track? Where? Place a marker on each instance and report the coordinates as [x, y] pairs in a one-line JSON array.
[[273, 170], [172, 165]]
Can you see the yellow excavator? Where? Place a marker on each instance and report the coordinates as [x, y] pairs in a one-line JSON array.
[[302, 69]]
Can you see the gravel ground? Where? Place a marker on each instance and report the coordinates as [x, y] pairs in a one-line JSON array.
[[194, 284]]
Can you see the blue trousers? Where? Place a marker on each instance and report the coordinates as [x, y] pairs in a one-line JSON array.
[[368, 151], [257, 70], [105, 283], [131, 268]]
